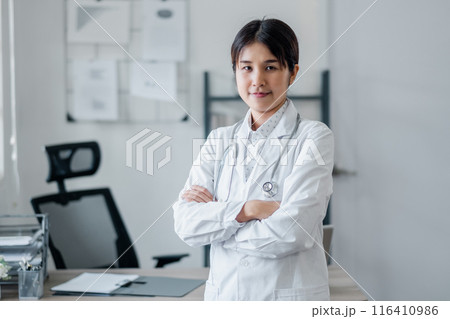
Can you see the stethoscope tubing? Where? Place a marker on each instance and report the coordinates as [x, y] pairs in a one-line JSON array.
[[274, 187]]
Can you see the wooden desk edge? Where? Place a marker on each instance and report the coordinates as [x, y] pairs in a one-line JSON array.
[[342, 287]]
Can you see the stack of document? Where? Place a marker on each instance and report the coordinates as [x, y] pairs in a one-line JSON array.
[[19, 240], [14, 248]]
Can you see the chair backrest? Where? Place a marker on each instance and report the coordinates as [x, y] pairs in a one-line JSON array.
[[86, 230], [85, 227]]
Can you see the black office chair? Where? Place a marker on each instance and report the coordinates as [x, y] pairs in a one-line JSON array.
[[86, 230]]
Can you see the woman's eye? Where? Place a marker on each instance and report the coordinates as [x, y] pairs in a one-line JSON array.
[[246, 68], [270, 67]]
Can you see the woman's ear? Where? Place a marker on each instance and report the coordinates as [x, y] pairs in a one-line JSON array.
[[293, 74]]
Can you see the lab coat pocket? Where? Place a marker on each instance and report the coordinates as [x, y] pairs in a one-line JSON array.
[[305, 294], [211, 292]]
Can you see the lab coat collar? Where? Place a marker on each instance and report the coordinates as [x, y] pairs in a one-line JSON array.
[[287, 122], [244, 129], [283, 128]]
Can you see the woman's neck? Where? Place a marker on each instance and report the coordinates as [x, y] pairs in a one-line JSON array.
[[259, 118]]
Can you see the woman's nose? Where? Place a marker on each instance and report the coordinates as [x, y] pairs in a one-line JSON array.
[[258, 79]]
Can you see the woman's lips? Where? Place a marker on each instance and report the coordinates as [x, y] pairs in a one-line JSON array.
[[260, 94]]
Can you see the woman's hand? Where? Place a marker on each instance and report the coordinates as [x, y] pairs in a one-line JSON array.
[[252, 209], [257, 209], [197, 194]]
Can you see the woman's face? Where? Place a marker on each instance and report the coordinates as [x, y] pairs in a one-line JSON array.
[[262, 81]]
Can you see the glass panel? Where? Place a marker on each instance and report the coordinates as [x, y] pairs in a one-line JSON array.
[[82, 160]]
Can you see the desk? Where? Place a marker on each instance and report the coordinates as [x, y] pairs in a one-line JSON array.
[[342, 287]]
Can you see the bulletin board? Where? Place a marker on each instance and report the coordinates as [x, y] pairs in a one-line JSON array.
[[127, 61]]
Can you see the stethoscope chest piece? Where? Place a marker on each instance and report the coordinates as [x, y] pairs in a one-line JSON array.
[[270, 189]]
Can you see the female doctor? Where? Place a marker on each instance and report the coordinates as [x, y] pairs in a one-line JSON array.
[[259, 190]]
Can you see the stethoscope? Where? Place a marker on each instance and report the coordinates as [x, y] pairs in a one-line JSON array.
[[269, 188]]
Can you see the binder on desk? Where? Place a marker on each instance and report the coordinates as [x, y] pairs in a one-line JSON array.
[[129, 285]]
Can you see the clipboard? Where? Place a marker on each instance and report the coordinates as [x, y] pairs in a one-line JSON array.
[[159, 286], [126, 285]]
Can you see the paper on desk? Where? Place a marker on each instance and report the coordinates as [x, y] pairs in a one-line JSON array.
[[19, 240], [95, 283], [19, 252], [15, 240]]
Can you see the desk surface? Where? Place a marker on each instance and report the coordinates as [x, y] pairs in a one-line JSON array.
[[342, 287]]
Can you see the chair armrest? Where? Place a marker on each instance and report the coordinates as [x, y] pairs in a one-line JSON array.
[[168, 259]]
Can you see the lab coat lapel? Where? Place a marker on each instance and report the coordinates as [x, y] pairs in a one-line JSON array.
[[241, 138], [287, 123]]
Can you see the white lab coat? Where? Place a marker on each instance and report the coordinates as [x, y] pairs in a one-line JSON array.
[[278, 258]]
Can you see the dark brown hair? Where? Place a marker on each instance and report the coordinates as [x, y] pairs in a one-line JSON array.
[[279, 38]]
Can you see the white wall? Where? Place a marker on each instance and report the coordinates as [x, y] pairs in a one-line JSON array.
[[141, 198], [389, 78]]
